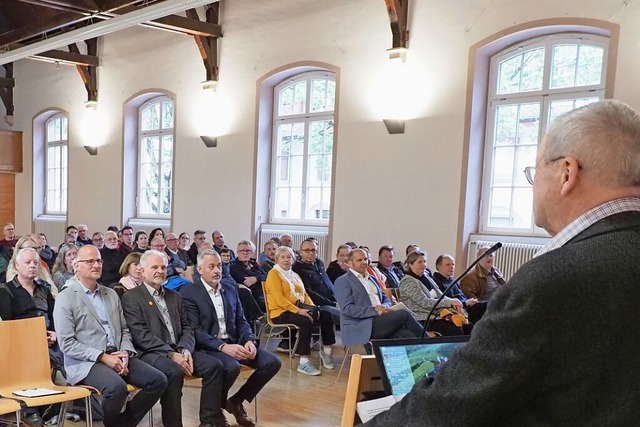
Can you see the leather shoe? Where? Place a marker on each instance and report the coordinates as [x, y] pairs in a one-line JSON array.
[[237, 410]]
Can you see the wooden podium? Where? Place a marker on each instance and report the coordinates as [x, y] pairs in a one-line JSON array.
[[364, 376]]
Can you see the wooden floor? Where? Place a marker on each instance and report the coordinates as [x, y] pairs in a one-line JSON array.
[[289, 400]]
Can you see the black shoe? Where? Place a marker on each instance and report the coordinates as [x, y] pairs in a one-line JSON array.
[[237, 410]]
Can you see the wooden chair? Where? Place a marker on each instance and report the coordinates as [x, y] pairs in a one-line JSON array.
[[8, 406], [24, 364], [288, 326]]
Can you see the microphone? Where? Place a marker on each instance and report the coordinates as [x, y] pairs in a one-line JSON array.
[[489, 251]]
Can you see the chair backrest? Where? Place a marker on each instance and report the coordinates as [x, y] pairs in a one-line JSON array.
[[266, 303], [188, 273], [24, 353]]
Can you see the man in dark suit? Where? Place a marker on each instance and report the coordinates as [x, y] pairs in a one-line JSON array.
[[388, 268], [556, 345], [160, 330], [364, 308], [222, 331]]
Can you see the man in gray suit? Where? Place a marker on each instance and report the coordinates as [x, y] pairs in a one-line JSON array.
[[557, 345], [96, 343], [161, 332], [364, 308]]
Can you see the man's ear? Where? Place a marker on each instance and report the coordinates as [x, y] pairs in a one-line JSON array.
[[570, 175]]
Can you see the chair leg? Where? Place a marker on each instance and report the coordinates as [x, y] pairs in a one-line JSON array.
[[150, 417], [18, 417], [347, 353], [292, 352], [62, 415], [88, 411], [255, 408]]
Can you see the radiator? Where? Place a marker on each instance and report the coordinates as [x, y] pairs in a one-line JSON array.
[[298, 235], [53, 227], [507, 259]]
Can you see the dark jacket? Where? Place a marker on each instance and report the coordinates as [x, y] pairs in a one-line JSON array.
[[193, 253], [239, 272], [391, 278], [334, 271], [454, 292], [316, 282], [16, 302], [111, 261]]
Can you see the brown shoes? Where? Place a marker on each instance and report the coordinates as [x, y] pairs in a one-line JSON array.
[[237, 410]]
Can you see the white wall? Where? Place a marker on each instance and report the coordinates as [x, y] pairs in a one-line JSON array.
[[394, 189]]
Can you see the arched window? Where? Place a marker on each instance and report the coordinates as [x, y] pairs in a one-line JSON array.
[[530, 84], [155, 157], [303, 136], [56, 131]]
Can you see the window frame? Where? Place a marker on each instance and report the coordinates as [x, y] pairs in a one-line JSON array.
[[160, 133], [64, 171], [307, 118], [544, 97]]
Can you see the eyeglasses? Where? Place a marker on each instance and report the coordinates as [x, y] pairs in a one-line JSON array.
[[90, 261], [245, 251], [530, 171], [309, 250], [172, 240]]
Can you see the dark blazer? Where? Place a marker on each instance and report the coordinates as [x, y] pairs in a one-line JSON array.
[[356, 311], [316, 282], [149, 333], [557, 345], [391, 280], [204, 320], [16, 302]]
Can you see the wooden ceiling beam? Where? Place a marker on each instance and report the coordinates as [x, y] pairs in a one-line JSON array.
[[398, 11], [88, 74], [71, 58], [7, 83], [208, 46], [37, 27], [192, 27]]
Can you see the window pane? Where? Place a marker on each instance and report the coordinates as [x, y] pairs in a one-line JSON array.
[[149, 201], [282, 203], [314, 203], [150, 150], [52, 200], [53, 131], [64, 128], [522, 212], [64, 176], [166, 201], [500, 208], [167, 172], [300, 97], [296, 203], [323, 93], [65, 156], [525, 156], [296, 171], [509, 75], [506, 125], [149, 175], [51, 180], [321, 134], [503, 166], [282, 171], [528, 124], [563, 67], [167, 148], [284, 138], [150, 117], [532, 70], [297, 133], [286, 101], [557, 108], [590, 59], [167, 115]]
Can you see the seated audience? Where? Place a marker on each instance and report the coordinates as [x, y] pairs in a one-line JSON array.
[[161, 332], [317, 284], [198, 239], [225, 256], [483, 280], [419, 293], [112, 258], [43, 270], [113, 228], [374, 273], [386, 266], [267, 258], [286, 292], [218, 243], [83, 236], [47, 254], [141, 242], [445, 269], [185, 241], [98, 240], [131, 273], [10, 238], [340, 265], [176, 254], [73, 231], [96, 343], [25, 297], [63, 268], [126, 245], [155, 233], [286, 240], [175, 268], [246, 271], [364, 308], [222, 331]]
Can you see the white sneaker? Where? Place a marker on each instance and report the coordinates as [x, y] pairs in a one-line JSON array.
[[308, 369], [327, 360]]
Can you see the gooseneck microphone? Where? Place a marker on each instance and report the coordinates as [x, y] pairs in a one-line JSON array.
[[489, 251]]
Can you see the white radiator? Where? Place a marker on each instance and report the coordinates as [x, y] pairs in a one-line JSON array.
[[298, 235], [53, 227], [507, 259]]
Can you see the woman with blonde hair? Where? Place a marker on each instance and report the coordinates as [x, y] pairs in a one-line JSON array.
[[63, 267], [131, 273], [43, 270]]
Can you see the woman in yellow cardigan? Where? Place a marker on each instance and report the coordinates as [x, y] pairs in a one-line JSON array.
[[284, 288]]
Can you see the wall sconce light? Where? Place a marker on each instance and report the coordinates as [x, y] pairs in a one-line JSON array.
[[92, 150], [211, 85], [397, 54], [394, 126], [91, 105], [209, 141]]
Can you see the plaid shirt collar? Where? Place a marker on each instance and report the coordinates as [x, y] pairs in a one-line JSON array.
[[589, 218]]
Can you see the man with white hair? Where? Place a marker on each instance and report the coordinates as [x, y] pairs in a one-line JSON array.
[[83, 236], [112, 259], [557, 345]]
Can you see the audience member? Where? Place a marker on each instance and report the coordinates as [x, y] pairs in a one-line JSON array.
[[97, 239], [483, 280], [419, 293], [155, 233], [161, 332], [267, 258], [286, 240], [126, 245], [386, 267], [289, 303], [73, 231], [141, 242], [83, 236], [63, 267], [10, 238], [47, 254], [113, 228], [222, 331], [340, 265], [364, 308], [218, 244], [246, 271], [43, 270], [225, 256], [112, 258], [94, 337], [374, 273], [185, 241], [174, 252], [199, 238], [175, 267], [131, 274], [445, 266]]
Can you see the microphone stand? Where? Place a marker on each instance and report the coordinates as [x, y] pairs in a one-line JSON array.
[[489, 251]]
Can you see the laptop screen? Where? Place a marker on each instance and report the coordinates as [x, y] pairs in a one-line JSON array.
[[403, 362]]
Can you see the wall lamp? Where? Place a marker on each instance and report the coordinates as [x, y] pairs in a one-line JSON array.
[[394, 126], [92, 150], [209, 141]]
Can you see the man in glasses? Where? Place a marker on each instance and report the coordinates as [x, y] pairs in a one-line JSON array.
[[246, 271], [557, 344], [10, 238], [98, 352]]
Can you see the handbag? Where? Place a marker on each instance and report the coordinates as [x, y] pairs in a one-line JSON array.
[[312, 309]]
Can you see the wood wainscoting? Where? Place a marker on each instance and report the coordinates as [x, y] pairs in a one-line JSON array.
[[10, 164]]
